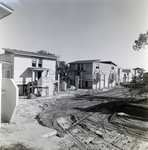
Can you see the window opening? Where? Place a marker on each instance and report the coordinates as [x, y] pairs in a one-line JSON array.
[[112, 68], [34, 62], [40, 63]]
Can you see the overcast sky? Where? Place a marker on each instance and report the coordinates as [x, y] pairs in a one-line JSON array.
[[78, 29]]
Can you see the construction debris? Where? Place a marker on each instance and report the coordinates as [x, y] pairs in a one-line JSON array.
[[94, 118]]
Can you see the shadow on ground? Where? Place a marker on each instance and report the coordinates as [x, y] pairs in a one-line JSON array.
[[119, 105]]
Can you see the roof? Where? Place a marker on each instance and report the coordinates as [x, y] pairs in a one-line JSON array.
[[137, 68], [27, 53], [108, 62], [84, 61], [5, 10]]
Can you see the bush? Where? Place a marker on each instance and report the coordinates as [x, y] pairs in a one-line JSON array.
[[138, 87]]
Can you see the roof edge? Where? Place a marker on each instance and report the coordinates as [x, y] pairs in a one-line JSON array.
[[5, 5], [108, 62], [27, 53], [84, 61]]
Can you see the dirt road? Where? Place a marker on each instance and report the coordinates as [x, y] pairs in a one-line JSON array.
[[83, 119]]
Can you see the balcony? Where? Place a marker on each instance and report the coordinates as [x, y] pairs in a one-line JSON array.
[[5, 59]]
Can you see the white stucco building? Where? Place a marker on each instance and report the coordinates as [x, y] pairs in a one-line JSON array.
[[25, 67], [93, 74], [8, 89]]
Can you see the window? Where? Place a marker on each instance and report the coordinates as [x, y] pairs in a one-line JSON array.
[[97, 66], [34, 62], [112, 67], [40, 63]]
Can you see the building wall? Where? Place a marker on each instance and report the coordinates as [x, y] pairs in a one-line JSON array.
[[9, 99], [84, 71], [107, 70], [96, 75], [86, 75], [88, 72], [22, 75], [51, 64], [7, 68], [96, 66], [124, 76], [72, 67]]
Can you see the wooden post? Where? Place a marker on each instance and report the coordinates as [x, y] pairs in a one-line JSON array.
[[58, 82], [32, 81], [77, 82], [99, 81], [81, 79]]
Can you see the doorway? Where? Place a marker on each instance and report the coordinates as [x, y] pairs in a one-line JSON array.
[[39, 74], [86, 83]]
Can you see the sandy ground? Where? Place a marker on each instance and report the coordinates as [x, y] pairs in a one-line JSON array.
[[66, 109], [24, 128]]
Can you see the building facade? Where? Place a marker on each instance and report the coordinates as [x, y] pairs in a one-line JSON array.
[[125, 75], [25, 67], [93, 74], [108, 69]]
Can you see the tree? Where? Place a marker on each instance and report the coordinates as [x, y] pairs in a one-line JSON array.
[[63, 70], [139, 85], [47, 53], [141, 42]]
